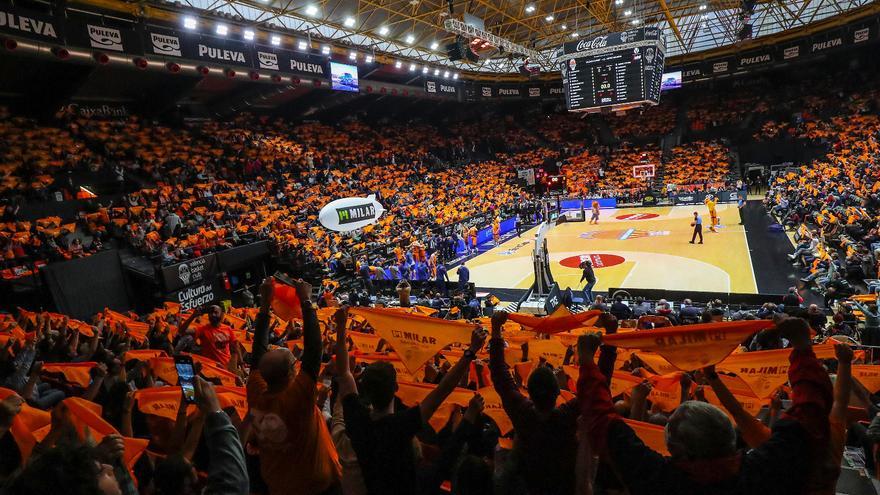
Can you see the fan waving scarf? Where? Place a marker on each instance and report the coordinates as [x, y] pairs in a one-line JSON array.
[[690, 347], [560, 320], [416, 339], [766, 371]]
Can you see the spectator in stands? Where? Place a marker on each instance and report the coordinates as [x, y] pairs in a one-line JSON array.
[[701, 440], [296, 451], [620, 310], [216, 340], [382, 436], [538, 422]]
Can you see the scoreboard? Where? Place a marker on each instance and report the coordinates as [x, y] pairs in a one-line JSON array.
[[614, 71]]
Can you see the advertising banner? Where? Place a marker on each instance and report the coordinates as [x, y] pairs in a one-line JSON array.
[[196, 271]]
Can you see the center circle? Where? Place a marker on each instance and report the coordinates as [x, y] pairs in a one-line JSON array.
[[598, 260]]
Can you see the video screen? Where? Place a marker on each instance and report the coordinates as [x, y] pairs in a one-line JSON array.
[[670, 80], [344, 77]]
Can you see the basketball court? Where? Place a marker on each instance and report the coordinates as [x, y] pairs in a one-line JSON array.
[[646, 248]]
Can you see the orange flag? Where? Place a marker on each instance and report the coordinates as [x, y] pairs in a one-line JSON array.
[[141, 355], [285, 302], [29, 420], [690, 347], [654, 436], [411, 393], [76, 373], [365, 342], [666, 391], [416, 339], [86, 418], [868, 375], [551, 350], [560, 320], [164, 369], [656, 362], [494, 409], [622, 382], [159, 401], [392, 359], [766, 371], [749, 402]]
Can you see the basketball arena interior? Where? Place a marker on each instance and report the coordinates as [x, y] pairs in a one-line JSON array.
[[528, 247]]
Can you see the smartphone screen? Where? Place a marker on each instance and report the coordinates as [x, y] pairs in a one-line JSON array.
[[186, 376]]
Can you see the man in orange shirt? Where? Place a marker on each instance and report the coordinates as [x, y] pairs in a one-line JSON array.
[[296, 451], [214, 338]]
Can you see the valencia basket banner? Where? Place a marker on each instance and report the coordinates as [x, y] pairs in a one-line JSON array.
[[416, 339], [691, 347]]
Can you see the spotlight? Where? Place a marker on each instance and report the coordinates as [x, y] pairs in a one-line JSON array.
[[424, 70], [325, 50], [353, 55], [410, 39], [549, 18], [383, 31], [229, 73], [10, 44], [455, 76], [349, 22], [254, 75], [436, 72], [312, 10], [627, 12], [412, 67], [369, 59], [203, 70], [435, 45], [249, 35], [302, 45], [703, 7], [222, 29], [275, 40], [398, 64], [530, 8], [190, 22], [446, 74]]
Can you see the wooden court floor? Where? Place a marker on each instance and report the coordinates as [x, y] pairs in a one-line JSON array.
[[634, 247]]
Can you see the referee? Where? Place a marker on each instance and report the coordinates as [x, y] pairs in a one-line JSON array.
[[697, 224]]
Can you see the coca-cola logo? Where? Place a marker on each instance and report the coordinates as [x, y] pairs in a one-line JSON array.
[[598, 42]]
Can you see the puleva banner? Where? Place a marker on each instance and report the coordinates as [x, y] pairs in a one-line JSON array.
[[347, 214]]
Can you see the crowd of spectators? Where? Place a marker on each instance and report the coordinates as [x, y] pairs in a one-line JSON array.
[[323, 404]]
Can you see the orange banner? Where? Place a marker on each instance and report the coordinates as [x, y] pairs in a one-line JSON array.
[[164, 369], [86, 418], [141, 355], [411, 393], [749, 402], [365, 342], [656, 362], [416, 339], [402, 372], [160, 401], [561, 320], [29, 420], [285, 302], [690, 347], [766, 371], [654, 436], [551, 350], [76, 373], [494, 409], [868, 375]]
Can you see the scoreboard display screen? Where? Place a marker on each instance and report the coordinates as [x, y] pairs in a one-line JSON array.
[[613, 70]]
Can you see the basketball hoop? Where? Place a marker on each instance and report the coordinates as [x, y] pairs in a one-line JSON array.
[[643, 171]]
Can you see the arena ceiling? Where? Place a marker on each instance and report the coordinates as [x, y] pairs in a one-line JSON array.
[[413, 29]]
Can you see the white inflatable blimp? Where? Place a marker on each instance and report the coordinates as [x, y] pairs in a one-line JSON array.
[[347, 214]]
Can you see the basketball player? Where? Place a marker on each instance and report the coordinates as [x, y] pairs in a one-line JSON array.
[[713, 215], [594, 219], [697, 224]]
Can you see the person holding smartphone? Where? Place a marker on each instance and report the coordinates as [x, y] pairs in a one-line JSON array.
[[296, 451]]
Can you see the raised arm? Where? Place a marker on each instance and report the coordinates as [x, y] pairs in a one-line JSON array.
[[511, 398], [448, 383], [261, 325], [843, 384], [312, 345], [753, 431], [344, 378], [227, 473], [184, 327]]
